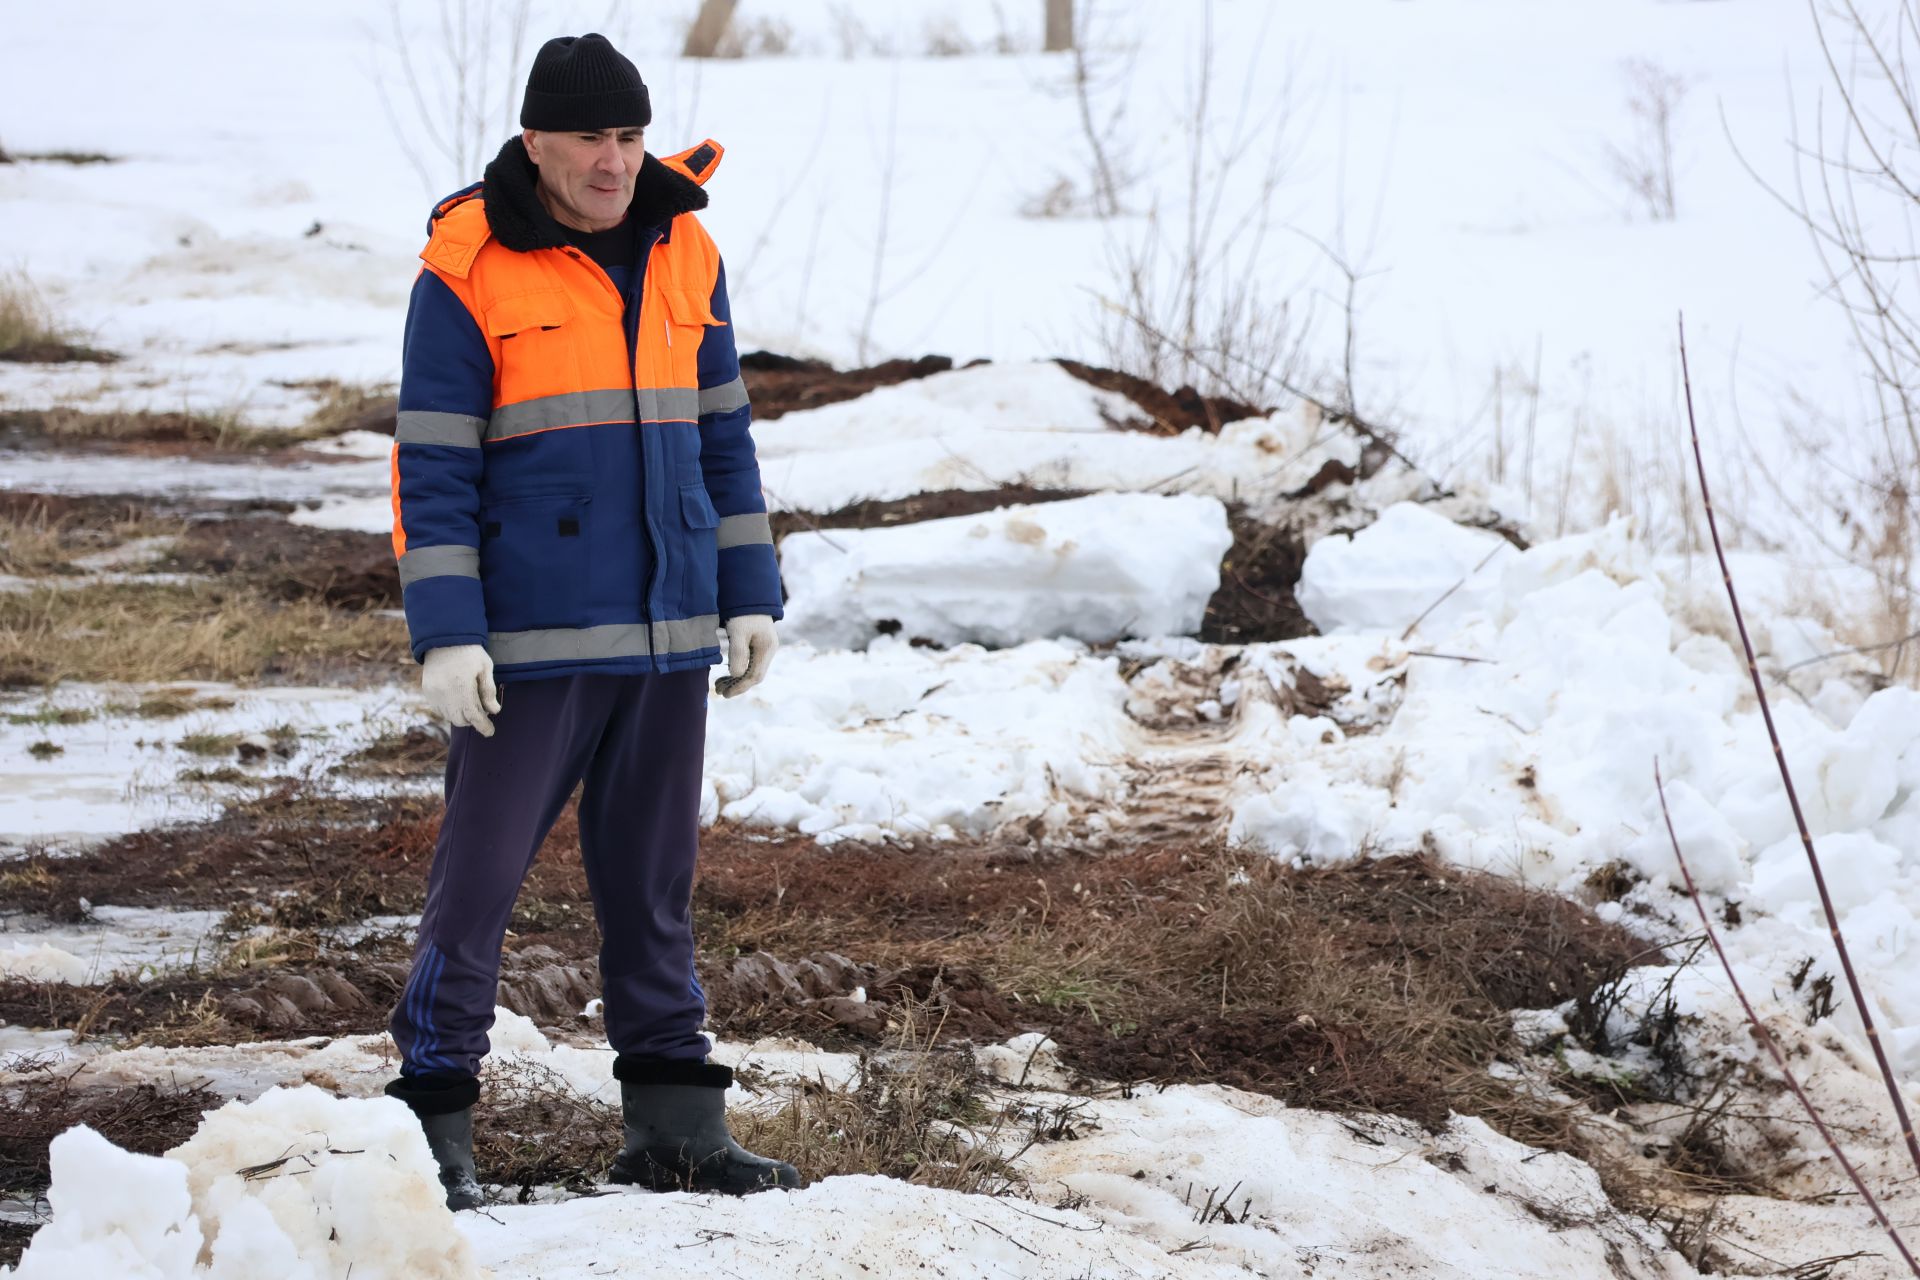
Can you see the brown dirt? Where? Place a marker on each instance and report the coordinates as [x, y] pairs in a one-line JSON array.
[[146, 1118], [1162, 412], [1255, 600], [877, 513], [1401, 968], [346, 569], [780, 384], [417, 751], [57, 351]]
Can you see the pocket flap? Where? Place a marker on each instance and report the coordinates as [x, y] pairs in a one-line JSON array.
[[546, 310], [688, 306], [696, 508]]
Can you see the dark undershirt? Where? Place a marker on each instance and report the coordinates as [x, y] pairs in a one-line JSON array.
[[614, 249]]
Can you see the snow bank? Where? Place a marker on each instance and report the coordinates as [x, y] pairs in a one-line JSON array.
[[1095, 569], [1590, 658], [1303, 1188], [912, 741], [1027, 423], [299, 1185]]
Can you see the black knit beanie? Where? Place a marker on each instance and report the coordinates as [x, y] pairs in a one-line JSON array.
[[581, 84]]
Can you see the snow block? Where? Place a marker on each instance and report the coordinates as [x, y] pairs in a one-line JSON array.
[[1097, 569]]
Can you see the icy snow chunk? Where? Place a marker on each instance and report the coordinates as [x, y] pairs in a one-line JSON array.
[[45, 964], [145, 1229], [1319, 824], [1097, 568], [1856, 866], [1028, 1059], [515, 1033], [1714, 851], [355, 1189], [1387, 574]]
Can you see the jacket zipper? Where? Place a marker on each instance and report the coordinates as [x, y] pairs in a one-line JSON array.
[[630, 327]]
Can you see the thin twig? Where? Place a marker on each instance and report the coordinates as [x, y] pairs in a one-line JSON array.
[[1786, 777], [1493, 551], [1766, 1037]]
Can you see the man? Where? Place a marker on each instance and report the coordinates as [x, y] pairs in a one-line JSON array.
[[577, 511]]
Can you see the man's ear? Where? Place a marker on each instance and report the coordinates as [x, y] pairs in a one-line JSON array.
[[530, 138]]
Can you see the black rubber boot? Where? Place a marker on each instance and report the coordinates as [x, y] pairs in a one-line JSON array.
[[676, 1132], [444, 1108]]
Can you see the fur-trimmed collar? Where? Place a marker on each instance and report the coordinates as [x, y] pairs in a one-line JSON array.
[[521, 223]]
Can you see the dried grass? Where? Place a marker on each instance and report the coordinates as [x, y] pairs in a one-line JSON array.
[[184, 631], [29, 330]]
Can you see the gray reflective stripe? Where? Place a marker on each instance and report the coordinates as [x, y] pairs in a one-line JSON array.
[[449, 561], [585, 408], [617, 640], [724, 398], [669, 404], [741, 531], [574, 409], [421, 426]]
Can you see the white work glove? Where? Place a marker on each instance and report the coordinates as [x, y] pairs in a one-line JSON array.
[[750, 645], [458, 681]]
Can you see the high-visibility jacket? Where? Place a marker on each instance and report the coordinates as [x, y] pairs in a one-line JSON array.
[[574, 483]]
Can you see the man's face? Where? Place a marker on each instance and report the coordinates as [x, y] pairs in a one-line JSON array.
[[586, 179]]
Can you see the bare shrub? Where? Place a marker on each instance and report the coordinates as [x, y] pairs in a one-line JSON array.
[[760, 38], [1193, 298], [1102, 72], [465, 100], [855, 38], [1857, 491], [1645, 163]]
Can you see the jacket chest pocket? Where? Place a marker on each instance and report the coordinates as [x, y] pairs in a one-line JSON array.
[[685, 315], [532, 335], [534, 561]]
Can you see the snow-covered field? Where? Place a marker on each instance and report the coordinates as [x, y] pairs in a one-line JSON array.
[[1499, 708]]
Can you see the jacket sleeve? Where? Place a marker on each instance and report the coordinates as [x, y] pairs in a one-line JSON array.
[[446, 396], [749, 572]]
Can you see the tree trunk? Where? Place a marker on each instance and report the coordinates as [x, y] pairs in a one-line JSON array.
[[703, 38], [1059, 25]]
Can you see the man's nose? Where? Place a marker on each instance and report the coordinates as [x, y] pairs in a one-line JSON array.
[[607, 159]]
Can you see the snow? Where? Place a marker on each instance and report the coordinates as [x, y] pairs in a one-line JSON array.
[[904, 740], [112, 939], [1375, 1198], [297, 1184], [117, 771], [1077, 568], [231, 260], [1515, 728], [147, 1232], [1391, 573]]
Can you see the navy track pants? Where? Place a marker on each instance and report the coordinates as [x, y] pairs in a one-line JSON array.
[[638, 742]]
